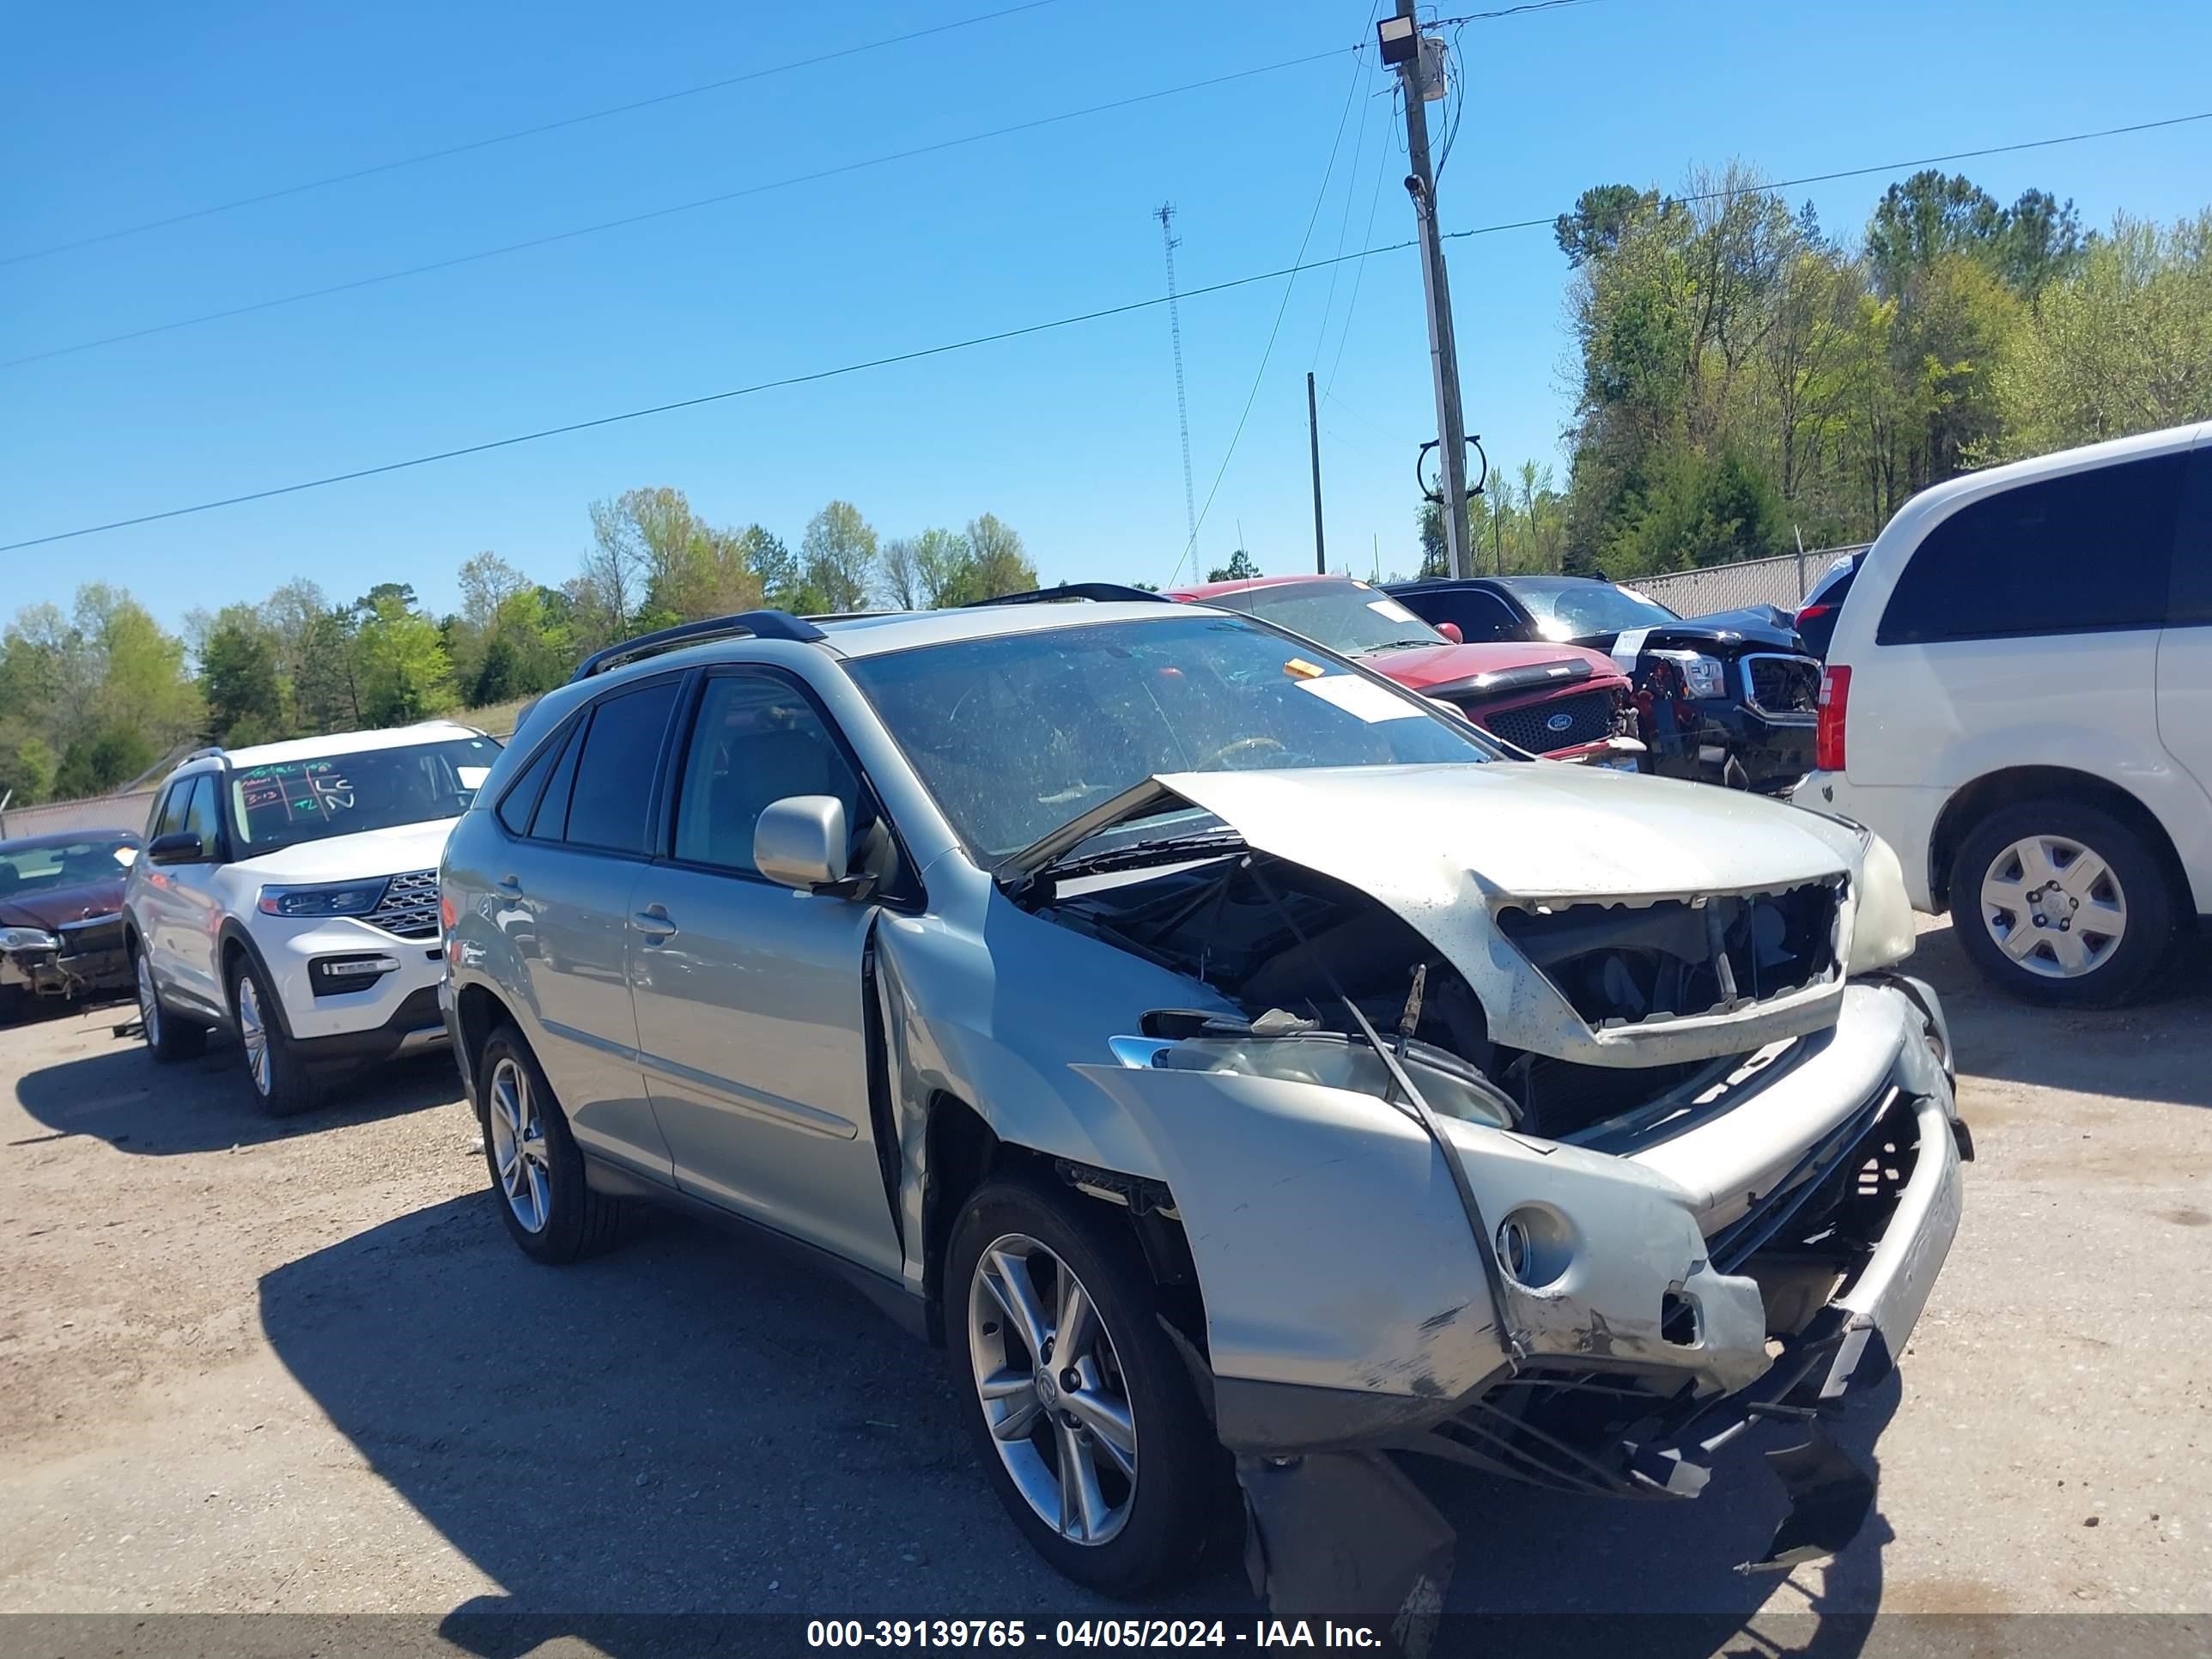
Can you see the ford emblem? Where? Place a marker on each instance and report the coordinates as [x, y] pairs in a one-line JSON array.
[[1558, 722]]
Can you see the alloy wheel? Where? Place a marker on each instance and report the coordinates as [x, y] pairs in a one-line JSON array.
[[149, 1005], [1052, 1389], [517, 1146], [254, 1032], [2054, 906]]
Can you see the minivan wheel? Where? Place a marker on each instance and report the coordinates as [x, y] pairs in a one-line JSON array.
[[1084, 1414], [168, 1038], [280, 1077], [536, 1171], [2060, 903]]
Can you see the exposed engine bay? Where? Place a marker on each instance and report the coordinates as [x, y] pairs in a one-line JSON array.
[[1283, 942]]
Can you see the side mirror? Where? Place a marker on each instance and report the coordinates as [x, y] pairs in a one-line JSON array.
[[1450, 631], [799, 842], [178, 847]]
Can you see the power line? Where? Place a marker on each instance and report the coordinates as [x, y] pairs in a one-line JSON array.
[[689, 403], [628, 220], [1321, 197], [1017, 333], [1508, 11], [1359, 272], [566, 121]]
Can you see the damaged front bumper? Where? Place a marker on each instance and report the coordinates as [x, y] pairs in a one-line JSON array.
[[1758, 1249], [86, 956]]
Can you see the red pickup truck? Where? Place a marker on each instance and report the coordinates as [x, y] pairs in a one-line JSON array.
[[1559, 701]]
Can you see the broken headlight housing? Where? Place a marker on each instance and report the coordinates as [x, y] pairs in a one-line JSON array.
[[1882, 930], [1702, 676], [27, 938]]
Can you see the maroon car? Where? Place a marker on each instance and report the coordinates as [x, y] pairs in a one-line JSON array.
[[61, 915], [1557, 700]]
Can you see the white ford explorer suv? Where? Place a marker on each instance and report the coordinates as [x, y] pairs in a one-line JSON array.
[[289, 892], [2019, 699]]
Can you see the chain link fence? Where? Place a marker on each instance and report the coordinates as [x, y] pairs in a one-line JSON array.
[[1782, 581], [126, 811]]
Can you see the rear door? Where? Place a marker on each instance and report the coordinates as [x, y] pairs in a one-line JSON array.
[[565, 905], [2184, 649], [750, 995]]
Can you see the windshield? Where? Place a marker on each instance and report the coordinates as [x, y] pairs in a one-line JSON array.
[[25, 871], [1346, 617], [1016, 735], [1579, 610], [288, 802]]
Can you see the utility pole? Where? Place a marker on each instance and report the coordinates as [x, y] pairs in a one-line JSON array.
[[1313, 437], [1166, 213], [1403, 47]]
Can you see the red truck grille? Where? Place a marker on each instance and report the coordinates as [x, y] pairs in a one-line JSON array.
[[1562, 723]]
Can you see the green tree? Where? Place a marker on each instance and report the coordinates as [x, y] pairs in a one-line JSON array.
[[838, 557], [404, 672], [998, 564], [1242, 567], [774, 563], [239, 677], [2123, 345], [27, 766]]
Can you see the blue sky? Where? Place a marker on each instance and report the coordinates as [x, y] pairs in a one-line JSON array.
[[136, 112]]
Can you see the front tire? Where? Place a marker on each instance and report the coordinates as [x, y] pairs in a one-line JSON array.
[[2060, 903], [537, 1181], [1085, 1416], [280, 1077], [168, 1039]]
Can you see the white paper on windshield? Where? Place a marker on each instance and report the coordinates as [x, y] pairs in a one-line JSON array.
[[1627, 648], [1392, 609], [473, 777], [1364, 698]]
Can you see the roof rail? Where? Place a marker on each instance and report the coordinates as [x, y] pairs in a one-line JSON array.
[[1105, 593], [746, 624], [202, 753]]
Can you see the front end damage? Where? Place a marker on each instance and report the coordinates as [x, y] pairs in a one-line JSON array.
[[1667, 1288]]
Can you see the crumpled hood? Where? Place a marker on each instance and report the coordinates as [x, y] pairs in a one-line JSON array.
[[1424, 836], [351, 858], [57, 906], [1442, 846]]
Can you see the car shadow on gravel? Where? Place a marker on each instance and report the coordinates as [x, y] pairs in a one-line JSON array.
[[118, 1095], [2146, 1052], [698, 1424]]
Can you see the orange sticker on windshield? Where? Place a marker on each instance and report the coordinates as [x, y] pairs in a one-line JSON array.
[[1299, 669]]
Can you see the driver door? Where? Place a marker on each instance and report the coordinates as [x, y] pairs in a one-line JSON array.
[[750, 995]]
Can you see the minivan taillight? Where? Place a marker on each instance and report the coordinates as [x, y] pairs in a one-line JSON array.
[[1835, 709]]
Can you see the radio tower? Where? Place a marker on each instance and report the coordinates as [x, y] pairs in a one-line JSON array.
[[1165, 214]]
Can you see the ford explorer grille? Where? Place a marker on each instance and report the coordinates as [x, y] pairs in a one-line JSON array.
[[410, 906], [1587, 717]]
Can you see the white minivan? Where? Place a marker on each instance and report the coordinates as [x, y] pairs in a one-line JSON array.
[[2019, 699]]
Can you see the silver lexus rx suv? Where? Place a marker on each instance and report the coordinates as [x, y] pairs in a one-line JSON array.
[[1247, 1073]]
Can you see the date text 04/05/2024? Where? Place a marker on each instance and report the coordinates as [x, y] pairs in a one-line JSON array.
[[1086, 1633]]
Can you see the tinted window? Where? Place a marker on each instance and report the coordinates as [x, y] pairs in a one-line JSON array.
[[611, 801], [517, 805], [756, 741], [2192, 548], [550, 820], [2074, 555], [1577, 608], [1479, 616], [169, 814], [201, 818]]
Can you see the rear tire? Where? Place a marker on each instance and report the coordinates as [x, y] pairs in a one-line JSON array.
[[2060, 903], [1158, 1522], [168, 1038], [281, 1078], [538, 1180]]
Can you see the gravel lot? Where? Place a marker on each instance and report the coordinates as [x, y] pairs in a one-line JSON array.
[[252, 1367]]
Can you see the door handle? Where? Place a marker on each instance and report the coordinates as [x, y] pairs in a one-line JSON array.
[[653, 921]]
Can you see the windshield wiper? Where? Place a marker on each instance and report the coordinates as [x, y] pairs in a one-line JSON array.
[[1401, 645], [1133, 855]]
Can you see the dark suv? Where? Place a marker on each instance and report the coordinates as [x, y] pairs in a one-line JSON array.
[[1731, 698]]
